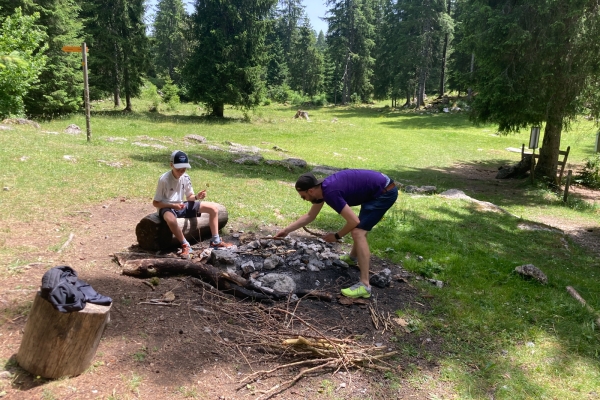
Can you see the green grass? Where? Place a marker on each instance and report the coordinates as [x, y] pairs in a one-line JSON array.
[[503, 336]]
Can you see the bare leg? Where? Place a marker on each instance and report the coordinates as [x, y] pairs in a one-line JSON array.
[[171, 221], [363, 254], [212, 209]]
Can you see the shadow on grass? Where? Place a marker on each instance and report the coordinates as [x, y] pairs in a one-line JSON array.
[[162, 118]]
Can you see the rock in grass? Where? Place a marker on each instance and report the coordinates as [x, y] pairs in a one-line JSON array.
[[530, 270]]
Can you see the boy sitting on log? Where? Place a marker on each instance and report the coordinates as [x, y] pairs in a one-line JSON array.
[[175, 198]]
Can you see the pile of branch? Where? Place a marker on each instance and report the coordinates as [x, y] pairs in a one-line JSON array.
[[314, 352]]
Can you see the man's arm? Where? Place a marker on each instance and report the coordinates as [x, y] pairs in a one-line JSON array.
[[352, 222], [302, 221]]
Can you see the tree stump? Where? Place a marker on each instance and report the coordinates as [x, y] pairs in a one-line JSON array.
[[57, 344], [153, 233]]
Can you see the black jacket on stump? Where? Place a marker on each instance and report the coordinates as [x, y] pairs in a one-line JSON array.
[[67, 293]]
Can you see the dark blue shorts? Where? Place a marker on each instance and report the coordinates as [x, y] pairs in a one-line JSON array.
[[372, 211], [192, 210]]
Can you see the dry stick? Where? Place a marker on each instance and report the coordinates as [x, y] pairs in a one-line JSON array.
[[71, 236], [242, 353], [284, 385], [312, 232], [580, 299]]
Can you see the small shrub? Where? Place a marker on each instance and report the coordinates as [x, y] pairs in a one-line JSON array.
[[297, 99], [280, 93], [170, 94], [150, 93], [355, 98], [319, 100], [590, 176]]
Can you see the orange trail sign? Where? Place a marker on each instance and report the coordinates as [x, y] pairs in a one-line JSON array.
[[74, 49]]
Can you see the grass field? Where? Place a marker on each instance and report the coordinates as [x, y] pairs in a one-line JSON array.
[[505, 337]]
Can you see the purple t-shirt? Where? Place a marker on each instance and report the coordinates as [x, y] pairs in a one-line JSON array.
[[352, 187]]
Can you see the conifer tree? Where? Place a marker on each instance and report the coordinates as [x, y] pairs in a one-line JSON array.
[[306, 63], [351, 39], [228, 63], [117, 36], [171, 46]]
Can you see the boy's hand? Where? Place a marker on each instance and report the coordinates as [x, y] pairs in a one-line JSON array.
[[201, 195], [179, 206]]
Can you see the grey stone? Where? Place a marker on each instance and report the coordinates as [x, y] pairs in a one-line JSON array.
[[248, 267], [249, 160], [222, 258], [340, 263], [530, 270], [382, 279], [279, 282], [272, 262], [197, 138], [73, 130]]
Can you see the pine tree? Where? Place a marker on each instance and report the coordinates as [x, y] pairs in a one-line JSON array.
[[171, 47], [118, 45], [306, 63], [351, 40], [228, 63]]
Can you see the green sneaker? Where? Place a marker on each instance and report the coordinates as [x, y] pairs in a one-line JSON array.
[[357, 290], [348, 260]]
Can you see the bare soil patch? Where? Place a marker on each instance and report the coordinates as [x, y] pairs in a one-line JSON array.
[[210, 341]]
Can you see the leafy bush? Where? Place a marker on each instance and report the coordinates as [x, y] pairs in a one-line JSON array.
[[279, 93], [319, 100], [590, 176], [297, 99], [150, 93], [21, 60], [170, 94], [355, 98]]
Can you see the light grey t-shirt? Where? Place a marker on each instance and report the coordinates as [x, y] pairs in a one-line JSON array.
[[171, 190]]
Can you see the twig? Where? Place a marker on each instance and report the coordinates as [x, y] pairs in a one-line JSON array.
[[71, 236], [580, 299], [159, 303], [149, 284], [312, 232]]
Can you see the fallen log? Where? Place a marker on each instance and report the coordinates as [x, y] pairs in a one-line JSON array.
[[224, 281], [153, 234], [149, 267]]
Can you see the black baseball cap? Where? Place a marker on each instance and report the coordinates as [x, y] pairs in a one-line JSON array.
[[307, 181], [180, 159]]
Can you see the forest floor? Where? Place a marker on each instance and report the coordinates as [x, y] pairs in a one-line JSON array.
[[210, 343]]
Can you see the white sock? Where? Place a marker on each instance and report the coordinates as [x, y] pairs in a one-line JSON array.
[[216, 239]]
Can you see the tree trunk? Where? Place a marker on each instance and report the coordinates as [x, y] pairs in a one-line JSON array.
[[57, 344], [548, 159], [444, 52], [116, 79], [471, 77], [218, 110], [127, 84], [153, 233]]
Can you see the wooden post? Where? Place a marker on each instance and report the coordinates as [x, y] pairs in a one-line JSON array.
[[86, 93], [532, 166], [57, 344], [567, 183]]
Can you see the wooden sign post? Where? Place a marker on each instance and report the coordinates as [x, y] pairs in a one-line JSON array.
[[86, 90]]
